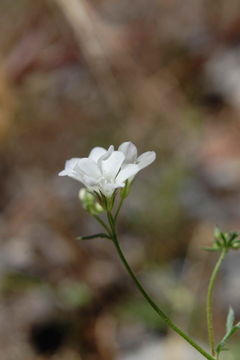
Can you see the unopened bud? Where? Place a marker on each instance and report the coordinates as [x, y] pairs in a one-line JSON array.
[[89, 202]]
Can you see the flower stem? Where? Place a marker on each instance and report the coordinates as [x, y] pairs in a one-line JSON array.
[[153, 304], [101, 222], [118, 208], [209, 311]]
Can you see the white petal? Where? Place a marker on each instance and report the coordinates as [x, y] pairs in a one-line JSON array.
[[69, 166], [73, 175], [130, 152], [146, 159], [106, 155], [108, 188], [69, 170], [112, 164], [96, 153], [63, 173], [127, 172], [89, 181], [87, 167]]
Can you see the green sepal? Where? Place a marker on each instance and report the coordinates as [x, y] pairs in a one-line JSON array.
[[125, 190]]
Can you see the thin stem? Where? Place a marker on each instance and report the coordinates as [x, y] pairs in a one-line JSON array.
[[209, 311], [152, 303], [103, 224], [111, 222], [118, 208]]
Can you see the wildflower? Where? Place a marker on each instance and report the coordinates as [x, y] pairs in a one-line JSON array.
[[103, 171]]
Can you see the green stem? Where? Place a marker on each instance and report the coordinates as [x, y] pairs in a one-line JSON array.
[[209, 311], [103, 224], [111, 223], [152, 303], [119, 208]]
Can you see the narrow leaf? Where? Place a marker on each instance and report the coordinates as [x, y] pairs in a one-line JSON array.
[[89, 237], [223, 236], [210, 248], [221, 345], [230, 320], [217, 232]]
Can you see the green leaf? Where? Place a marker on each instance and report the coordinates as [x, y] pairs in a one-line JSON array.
[[233, 235], [217, 233], [224, 236], [230, 320], [219, 243], [89, 237], [211, 248], [230, 330]]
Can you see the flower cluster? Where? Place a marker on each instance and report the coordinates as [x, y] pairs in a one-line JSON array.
[[103, 171]]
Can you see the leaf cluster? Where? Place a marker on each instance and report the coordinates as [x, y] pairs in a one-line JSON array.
[[224, 241]]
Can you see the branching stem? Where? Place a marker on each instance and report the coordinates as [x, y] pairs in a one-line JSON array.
[[147, 297]]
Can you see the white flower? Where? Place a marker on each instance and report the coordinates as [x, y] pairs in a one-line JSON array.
[[103, 170], [131, 155]]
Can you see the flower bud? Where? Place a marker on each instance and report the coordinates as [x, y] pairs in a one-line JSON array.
[[89, 202]]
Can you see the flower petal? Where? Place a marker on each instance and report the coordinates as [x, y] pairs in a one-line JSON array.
[[127, 172], [130, 152], [146, 159], [88, 167], [69, 166], [108, 188], [70, 171], [108, 152], [96, 153], [110, 167], [89, 181]]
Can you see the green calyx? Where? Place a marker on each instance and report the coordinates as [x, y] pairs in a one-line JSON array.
[[125, 190]]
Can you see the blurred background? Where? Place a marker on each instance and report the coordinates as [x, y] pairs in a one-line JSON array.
[[79, 73]]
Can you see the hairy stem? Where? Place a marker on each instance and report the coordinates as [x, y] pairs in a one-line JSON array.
[[209, 305]]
